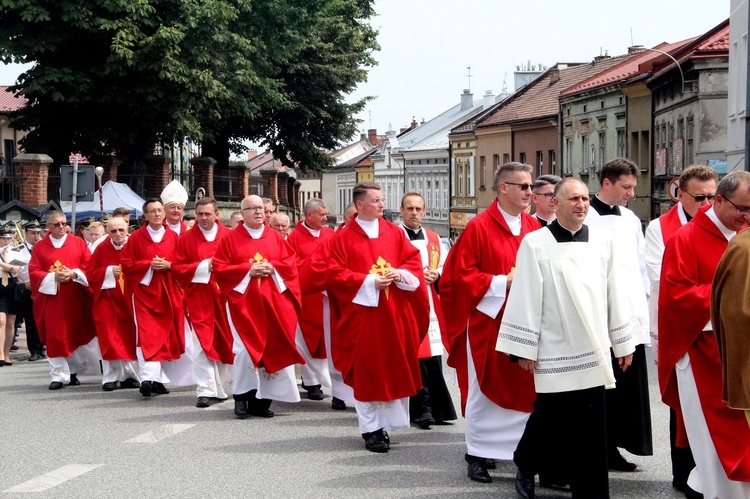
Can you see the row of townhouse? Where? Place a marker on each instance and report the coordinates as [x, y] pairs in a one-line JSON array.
[[665, 108]]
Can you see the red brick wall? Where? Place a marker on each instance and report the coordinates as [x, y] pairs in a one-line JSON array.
[[32, 171]]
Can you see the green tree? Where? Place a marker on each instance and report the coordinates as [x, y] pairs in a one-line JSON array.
[[123, 75]]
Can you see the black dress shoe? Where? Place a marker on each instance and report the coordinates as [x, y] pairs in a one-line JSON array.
[[109, 386], [683, 487], [425, 421], [145, 389], [203, 402], [375, 442], [14, 348], [159, 388], [524, 485], [240, 409], [338, 404], [313, 392], [34, 357], [55, 385], [618, 463], [130, 383], [490, 464], [74, 380], [478, 473]]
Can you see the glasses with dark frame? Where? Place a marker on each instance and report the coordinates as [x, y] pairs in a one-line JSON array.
[[547, 195], [57, 224], [701, 197], [523, 187], [742, 210], [115, 231], [253, 208]]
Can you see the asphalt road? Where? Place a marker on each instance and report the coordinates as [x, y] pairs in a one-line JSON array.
[[83, 442]]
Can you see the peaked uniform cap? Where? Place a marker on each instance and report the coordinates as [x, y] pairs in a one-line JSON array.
[[33, 225]]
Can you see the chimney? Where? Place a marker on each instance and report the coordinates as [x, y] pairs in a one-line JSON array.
[[601, 58], [402, 130], [467, 99], [252, 153], [372, 136], [554, 76], [489, 99], [636, 49], [414, 123]]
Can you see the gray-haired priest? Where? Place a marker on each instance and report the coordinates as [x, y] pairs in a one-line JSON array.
[[562, 316]]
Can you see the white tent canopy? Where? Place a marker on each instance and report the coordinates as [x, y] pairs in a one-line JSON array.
[[115, 195]]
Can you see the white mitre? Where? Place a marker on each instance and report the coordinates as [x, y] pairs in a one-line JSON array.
[[174, 192]]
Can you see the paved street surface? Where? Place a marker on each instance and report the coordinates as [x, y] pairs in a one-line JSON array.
[[83, 442]]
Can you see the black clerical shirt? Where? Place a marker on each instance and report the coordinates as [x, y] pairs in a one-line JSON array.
[[603, 208], [563, 235]]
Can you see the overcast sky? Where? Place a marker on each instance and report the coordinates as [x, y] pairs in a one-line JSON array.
[[426, 45]]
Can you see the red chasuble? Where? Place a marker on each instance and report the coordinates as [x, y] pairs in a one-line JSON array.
[[204, 307], [375, 348], [670, 222], [311, 315], [112, 307], [486, 248], [690, 261], [159, 315], [64, 320], [265, 319]]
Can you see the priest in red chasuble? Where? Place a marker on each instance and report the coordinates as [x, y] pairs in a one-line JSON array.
[[211, 337], [496, 394], [157, 301], [304, 239], [257, 272], [689, 358], [376, 284], [697, 188], [113, 313], [62, 303]]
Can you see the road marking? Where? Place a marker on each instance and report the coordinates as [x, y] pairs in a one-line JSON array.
[[53, 478], [159, 434]]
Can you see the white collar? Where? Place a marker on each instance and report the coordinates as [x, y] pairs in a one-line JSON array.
[[371, 228], [254, 233], [210, 235], [315, 233], [728, 233], [57, 243], [514, 222]]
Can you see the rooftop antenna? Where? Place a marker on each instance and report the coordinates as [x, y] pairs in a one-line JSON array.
[[468, 69], [505, 85], [369, 113], [631, 37]]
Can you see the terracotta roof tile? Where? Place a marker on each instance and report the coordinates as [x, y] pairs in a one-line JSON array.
[[631, 67], [539, 99], [9, 102], [713, 43]]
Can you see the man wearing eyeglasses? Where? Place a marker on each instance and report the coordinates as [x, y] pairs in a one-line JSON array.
[[497, 395], [543, 193], [157, 303], [689, 358], [628, 409], [62, 303], [697, 188], [257, 271], [112, 309]]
